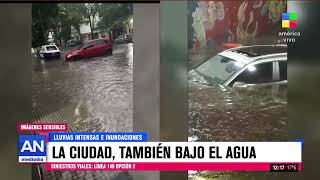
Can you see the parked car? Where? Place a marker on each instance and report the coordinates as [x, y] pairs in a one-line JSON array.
[[119, 40], [72, 43], [128, 38], [93, 48], [259, 64], [124, 38], [49, 51]]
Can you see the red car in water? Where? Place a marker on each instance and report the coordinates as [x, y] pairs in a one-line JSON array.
[[93, 48]]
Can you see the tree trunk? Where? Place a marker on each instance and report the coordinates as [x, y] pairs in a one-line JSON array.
[[110, 35], [78, 30], [91, 29]]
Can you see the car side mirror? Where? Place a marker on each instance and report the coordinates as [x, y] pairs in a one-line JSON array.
[[238, 84]]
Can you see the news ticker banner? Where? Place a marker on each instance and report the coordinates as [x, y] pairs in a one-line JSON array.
[[62, 151]]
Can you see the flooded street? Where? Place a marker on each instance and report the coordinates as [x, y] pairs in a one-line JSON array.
[[218, 113], [93, 95], [254, 113]]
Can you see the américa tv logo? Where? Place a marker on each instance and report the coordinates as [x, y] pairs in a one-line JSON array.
[[289, 20]]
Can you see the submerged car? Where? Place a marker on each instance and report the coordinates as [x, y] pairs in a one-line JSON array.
[[93, 48], [49, 51], [240, 95], [260, 64]]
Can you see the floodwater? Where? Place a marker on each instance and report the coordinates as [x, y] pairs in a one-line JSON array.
[[257, 113], [253, 113], [92, 95]]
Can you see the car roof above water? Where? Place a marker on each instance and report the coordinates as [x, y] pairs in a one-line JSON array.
[[247, 54], [97, 40]]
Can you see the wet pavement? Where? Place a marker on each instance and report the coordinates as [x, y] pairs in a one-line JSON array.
[[93, 95]]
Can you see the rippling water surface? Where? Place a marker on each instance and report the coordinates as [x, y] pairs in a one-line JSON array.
[[254, 113], [90, 95]]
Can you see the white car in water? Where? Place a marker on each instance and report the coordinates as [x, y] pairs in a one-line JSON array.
[[258, 64], [49, 51]]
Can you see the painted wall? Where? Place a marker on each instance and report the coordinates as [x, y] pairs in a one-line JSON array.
[[213, 23]]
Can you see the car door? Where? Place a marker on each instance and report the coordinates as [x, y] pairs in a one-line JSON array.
[[100, 47], [88, 49], [282, 69]]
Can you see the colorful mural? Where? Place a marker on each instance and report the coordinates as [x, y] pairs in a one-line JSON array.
[[213, 23]]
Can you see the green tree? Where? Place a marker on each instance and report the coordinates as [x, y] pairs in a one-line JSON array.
[[89, 12], [114, 16], [76, 18], [69, 15], [60, 18], [43, 17], [62, 26]]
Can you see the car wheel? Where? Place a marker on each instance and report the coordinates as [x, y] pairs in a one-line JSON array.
[[77, 57]]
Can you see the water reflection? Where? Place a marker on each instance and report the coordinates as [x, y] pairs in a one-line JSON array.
[[252, 113], [90, 95]]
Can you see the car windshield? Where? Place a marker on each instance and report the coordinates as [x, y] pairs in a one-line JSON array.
[[83, 45], [51, 48], [217, 69]]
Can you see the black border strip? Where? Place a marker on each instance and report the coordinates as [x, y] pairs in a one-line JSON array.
[[79, 1]]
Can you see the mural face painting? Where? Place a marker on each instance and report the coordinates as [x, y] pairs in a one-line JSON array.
[[214, 23]]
